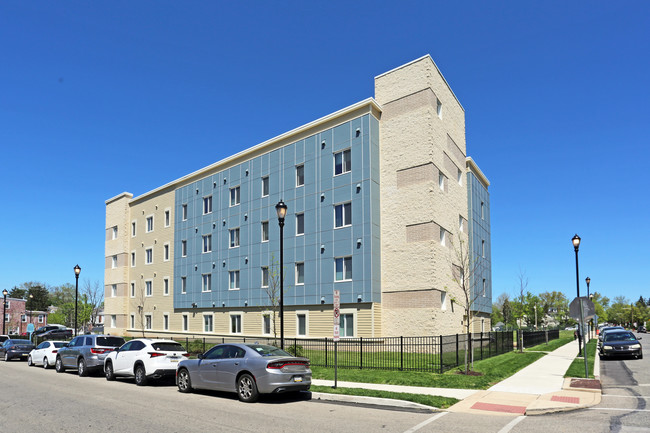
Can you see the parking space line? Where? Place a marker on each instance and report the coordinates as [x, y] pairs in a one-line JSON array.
[[423, 423], [512, 423]]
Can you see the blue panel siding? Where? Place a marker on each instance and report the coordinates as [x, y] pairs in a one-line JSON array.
[[480, 231], [316, 199]]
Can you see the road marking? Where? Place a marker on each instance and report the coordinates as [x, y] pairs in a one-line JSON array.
[[423, 423], [512, 423], [618, 409]]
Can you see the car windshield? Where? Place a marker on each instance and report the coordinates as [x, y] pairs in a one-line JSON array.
[[110, 341], [264, 350], [168, 347], [21, 342], [619, 336]]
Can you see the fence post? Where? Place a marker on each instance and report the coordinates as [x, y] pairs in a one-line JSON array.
[[481, 345], [326, 363], [401, 353], [457, 362], [203, 344], [440, 352], [187, 344], [361, 353]]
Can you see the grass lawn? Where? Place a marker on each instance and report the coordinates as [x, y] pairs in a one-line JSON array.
[[429, 400], [577, 367]]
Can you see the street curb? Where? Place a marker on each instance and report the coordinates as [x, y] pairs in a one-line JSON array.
[[383, 403]]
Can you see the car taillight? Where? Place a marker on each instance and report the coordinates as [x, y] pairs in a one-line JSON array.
[[187, 355], [154, 354], [54, 351], [97, 350], [280, 364]]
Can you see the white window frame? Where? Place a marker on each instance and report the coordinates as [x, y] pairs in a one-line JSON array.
[[134, 228], [482, 210], [206, 283], [114, 230], [184, 248], [443, 237], [233, 238], [300, 216], [23, 318], [206, 241], [344, 168], [168, 217], [133, 259], [113, 321], [348, 312], [266, 187], [461, 225], [343, 260], [483, 248], [235, 196], [185, 322], [166, 286], [165, 321], [344, 214], [268, 314], [439, 108], [207, 205], [113, 290], [442, 180], [148, 256], [265, 270], [460, 176], [184, 212], [148, 288], [41, 318], [132, 321], [300, 178], [265, 231], [149, 224], [298, 314], [232, 315], [132, 289], [148, 321], [183, 285], [208, 323], [233, 284], [166, 251], [114, 261], [296, 267]]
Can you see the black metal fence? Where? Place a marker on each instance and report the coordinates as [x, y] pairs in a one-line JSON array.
[[533, 338], [432, 353]]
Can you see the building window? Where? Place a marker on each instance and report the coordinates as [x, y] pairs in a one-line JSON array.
[[483, 249], [149, 224], [7, 316], [166, 252], [234, 238], [442, 179], [207, 283], [207, 243], [343, 269], [166, 322], [147, 321], [266, 324], [443, 301], [342, 215], [342, 162], [132, 259], [113, 290], [113, 321], [186, 321], [207, 323], [300, 224], [439, 108], [265, 186], [183, 284], [461, 225], [133, 290], [265, 277], [346, 327], [41, 318], [184, 248], [166, 286], [300, 273], [114, 232], [133, 229], [300, 175], [265, 231], [443, 237], [148, 256], [114, 262], [233, 277], [484, 288], [149, 288], [482, 210], [235, 323], [207, 205], [235, 198], [460, 177], [184, 212], [23, 318], [132, 321], [301, 324], [167, 218]]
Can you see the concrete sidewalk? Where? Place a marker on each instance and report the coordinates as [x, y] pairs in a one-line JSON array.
[[536, 389]]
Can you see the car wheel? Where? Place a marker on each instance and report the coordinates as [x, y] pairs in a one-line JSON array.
[[29, 361], [108, 371], [140, 376], [81, 368], [46, 364], [6, 357], [184, 383], [247, 389], [58, 366]]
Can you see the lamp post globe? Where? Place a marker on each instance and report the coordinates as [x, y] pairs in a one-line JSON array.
[[588, 280], [281, 209], [77, 271]]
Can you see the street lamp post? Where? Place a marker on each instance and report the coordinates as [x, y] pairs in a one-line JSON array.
[[77, 271], [4, 311], [576, 246], [588, 280], [30, 314], [281, 209]]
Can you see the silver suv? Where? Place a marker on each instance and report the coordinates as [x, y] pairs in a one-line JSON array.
[[86, 353]]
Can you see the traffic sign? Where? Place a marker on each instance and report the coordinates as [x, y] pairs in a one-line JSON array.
[[337, 314]]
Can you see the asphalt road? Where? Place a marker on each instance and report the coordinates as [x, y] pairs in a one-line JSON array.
[[34, 399]]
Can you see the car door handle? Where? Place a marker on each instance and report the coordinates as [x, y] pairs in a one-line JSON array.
[[236, 363]]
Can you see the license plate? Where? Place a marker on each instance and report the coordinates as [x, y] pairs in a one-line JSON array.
[[173, 360], [297, 379]]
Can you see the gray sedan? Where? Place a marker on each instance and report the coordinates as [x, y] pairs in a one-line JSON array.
[[247, 369]]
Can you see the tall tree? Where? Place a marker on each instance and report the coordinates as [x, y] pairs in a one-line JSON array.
[[39, 299], [523, 285]]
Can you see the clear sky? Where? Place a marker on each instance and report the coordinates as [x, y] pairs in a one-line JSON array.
[[101, 97]]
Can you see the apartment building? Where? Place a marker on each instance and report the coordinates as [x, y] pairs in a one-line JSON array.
[[376, 193]]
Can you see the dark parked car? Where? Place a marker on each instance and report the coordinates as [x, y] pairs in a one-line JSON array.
[[53, 332], [86, 353], [247, 369], [641, 329], [620, 343], [11, 349]]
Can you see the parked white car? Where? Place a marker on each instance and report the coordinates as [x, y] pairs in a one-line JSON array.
[[45, 353], [144, 359]]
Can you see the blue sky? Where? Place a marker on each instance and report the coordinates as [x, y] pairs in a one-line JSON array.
[[97, 98]]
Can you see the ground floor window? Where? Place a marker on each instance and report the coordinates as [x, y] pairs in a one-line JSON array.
[[347, 325], [207, 323], [235, 323]]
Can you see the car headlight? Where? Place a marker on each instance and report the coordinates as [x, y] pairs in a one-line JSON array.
[[607, 347], [635, 346]]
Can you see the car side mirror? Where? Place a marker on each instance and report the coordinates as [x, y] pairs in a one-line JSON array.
[[200, 356]]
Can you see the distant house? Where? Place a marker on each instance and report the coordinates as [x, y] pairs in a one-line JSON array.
[[17, 318]]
